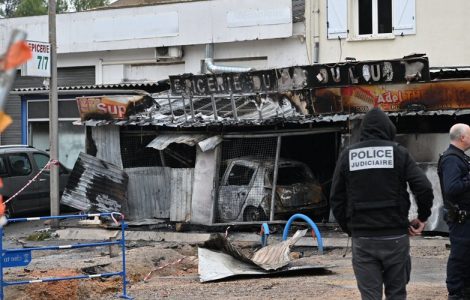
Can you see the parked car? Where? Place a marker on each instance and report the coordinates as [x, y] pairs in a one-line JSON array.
[[246, 188], [18, 165]]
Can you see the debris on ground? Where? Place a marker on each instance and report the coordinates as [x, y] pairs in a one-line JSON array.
[[219, 258]]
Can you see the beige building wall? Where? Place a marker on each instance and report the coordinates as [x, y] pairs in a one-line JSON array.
[[442, 32]]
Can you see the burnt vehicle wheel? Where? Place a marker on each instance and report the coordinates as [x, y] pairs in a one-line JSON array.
[[253, 214]]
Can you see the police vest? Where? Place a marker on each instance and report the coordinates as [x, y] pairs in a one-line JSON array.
[[377, 187]]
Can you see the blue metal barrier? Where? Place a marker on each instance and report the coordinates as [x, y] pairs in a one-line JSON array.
[[22, 257], [311, 223]]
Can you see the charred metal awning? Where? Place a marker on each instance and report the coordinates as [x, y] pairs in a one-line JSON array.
[[200, 122]]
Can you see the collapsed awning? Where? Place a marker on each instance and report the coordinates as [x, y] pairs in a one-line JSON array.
[[204, 141]]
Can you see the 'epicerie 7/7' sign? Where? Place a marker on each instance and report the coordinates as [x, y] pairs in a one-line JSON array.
[[40, 64]]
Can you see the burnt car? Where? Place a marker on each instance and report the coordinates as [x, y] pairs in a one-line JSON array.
[[246, 188], [18, 166]]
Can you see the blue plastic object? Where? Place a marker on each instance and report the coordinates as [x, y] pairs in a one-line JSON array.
[[264, 234], [312, 225]]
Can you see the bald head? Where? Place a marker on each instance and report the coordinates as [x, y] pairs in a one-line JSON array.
[[460, 136]]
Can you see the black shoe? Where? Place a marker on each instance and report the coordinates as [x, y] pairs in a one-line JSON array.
[[455, 297]]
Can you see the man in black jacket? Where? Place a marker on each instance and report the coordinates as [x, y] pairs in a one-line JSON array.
[[453, 169], [369, 200]]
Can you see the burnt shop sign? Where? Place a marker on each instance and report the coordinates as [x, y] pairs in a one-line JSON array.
[[110, 107], [304, 77], [200, 85]]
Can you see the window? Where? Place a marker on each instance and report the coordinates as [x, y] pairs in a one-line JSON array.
[[240, 175], [20, 164], [293, 175], [3, 168], [41, 160], [374, 16], [365, 19]]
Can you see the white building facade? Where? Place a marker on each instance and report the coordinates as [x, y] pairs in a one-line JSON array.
[[149, 43]]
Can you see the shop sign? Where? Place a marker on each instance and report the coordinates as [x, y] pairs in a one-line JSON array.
[[40, 63], [445, 95], [106, 107], [304, 77], [226, 83]]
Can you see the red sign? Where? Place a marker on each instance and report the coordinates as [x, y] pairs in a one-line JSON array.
[[105, 107]]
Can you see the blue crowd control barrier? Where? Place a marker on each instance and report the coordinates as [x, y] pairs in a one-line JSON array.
[[310, 222], [22, 257]]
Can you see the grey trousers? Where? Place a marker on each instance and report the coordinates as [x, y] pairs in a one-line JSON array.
[[379, 263]]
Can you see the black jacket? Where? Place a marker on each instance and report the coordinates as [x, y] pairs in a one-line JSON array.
[[454, 174], [369, 191]]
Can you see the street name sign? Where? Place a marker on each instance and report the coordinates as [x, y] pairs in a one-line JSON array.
[[16, 259]]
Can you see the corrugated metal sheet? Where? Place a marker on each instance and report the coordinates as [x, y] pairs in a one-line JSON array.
[[72, 85], [108, 144], [269, 258], [210, 143], [164, 140], [12, 135], [149, 192], [216, 265], [181, 191], [96, 186]]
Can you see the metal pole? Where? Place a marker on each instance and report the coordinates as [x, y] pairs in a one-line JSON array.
[[191, 106], [171, 109], [184, 109], [123, 248], [234, 107], [53, 115], [273, 192], [260, 114], [214, 107]]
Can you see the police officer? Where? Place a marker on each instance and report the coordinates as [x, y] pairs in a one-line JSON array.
[[369, 200], [453, 169]]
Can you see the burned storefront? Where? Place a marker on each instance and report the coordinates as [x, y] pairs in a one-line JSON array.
[[262, 145]]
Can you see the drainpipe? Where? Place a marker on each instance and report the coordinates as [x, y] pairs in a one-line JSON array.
[[308, 21], [209, 62], [316, 32], [312, 30]]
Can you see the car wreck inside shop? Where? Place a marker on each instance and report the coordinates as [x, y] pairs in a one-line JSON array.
[[261, 145]]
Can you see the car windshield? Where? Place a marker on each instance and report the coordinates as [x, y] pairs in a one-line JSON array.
[[289, 175], [240, 175]]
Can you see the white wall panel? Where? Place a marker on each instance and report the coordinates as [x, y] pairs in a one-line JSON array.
[[189, 23]]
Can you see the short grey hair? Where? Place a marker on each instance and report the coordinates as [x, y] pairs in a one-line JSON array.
[[457, 131]]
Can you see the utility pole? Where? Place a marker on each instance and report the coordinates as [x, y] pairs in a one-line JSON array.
[[53, 115]]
